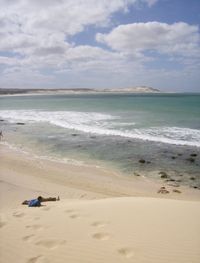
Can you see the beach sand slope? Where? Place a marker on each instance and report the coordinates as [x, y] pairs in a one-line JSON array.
[[125, 229]]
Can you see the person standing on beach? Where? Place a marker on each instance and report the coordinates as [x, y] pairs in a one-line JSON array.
[[1, 135]]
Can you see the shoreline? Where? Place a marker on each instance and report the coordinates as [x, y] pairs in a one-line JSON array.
[[90, 180], [81, 93]]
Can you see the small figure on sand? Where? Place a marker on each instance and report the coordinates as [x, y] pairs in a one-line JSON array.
[[1, 135], [39, 200]]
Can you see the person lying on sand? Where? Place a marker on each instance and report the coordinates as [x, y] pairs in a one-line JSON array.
[[39, 200]]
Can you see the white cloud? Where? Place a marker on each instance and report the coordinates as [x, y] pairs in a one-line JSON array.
[[25, 23], [178, 38], [35, 20], [21, 77], [39, 31], [41, 28], [8, 61]]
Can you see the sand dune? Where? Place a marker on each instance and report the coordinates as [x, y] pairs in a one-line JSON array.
[[126, 229]]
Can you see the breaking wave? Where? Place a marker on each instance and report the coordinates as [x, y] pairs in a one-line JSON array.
[[105, 124]]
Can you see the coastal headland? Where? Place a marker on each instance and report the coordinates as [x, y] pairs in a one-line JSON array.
[[139, 89]]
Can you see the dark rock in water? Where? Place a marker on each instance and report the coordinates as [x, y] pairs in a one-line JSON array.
[[192, 178], [136, 174], [173, 157], [93, 137], [74, 134], [163, 190], [179, 180], [195, 187], [20, 123], [129, 141], [142, 161], [192, 160], [1, 120], [176, 191], [163, 175], [193, 155], [179, 154], [170, 180], [174, 185]]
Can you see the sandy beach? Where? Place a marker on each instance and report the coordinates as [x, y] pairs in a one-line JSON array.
[[101, 217]]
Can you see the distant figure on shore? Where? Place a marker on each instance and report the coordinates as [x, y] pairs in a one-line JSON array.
[[1, 135], [39, 200]]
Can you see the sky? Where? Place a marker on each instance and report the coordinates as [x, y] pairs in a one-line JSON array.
[[100, 44]]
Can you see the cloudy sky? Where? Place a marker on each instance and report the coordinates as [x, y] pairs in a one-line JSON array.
[[100, 44]]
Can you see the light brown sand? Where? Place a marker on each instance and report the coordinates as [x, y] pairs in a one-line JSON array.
[[102, 216]]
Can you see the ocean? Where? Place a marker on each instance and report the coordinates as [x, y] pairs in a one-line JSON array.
[[132, 133]]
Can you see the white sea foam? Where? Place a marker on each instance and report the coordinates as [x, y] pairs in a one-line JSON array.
[[123, 124], [102, 124]]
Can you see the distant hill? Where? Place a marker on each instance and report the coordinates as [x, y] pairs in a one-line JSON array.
[[140, 89]]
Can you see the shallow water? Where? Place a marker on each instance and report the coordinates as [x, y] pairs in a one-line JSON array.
[[117, 130]]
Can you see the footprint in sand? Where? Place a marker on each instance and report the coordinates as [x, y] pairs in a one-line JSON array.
[[3, 220], [126, 252], [101, 236], [46, 208], [99, 224], [37, 218], [68, 211], [35, 227], [18, 214], [50, 243], [36, 259], [2, 224], [28, 238], [72, 213], [74, 216]]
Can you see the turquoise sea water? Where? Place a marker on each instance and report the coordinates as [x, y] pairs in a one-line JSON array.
[[117, 129]]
